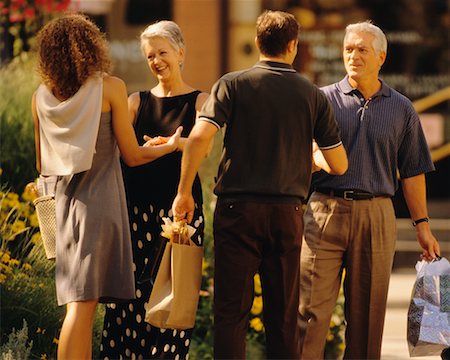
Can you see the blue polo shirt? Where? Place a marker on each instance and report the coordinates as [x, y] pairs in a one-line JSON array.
[[380, 134]]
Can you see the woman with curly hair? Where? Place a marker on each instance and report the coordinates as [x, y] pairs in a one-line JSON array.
[[81, 125]]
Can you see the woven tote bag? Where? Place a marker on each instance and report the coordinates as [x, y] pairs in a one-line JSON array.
[[46, 213]]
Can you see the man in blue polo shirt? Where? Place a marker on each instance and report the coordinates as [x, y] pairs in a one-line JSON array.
[[271, 115], [350, 220]]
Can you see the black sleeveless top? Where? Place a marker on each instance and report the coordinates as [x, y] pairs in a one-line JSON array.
[[156, 183]]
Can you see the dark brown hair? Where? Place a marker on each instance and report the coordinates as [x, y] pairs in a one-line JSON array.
[[274, 30], [70, 50]]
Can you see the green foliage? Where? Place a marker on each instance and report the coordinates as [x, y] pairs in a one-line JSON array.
[[17, 346], [17, 155]]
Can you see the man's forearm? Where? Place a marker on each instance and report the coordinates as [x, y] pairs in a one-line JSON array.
[[195, 150], [414, 191]]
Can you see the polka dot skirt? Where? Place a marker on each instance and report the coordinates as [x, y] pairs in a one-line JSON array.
[[126, 335]]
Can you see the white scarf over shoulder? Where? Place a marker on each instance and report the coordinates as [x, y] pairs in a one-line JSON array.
[[69, 129]]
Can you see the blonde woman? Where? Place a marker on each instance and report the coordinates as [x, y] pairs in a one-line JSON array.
[[80, 115], [150, 191]]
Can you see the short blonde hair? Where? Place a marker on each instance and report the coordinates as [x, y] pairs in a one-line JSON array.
[[165, 29]]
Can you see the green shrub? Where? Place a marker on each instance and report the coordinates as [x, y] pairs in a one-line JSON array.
[[17, 346], [17, 155]]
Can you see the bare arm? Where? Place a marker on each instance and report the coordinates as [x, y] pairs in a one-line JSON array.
[[195, 151], [36, 133], [114, 93], [414, 191], [334, 161]]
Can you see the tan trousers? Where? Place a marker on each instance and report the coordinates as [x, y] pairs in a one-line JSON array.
[[358, 236]]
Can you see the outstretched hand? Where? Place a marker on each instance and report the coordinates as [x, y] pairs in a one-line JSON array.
[[174, 140]]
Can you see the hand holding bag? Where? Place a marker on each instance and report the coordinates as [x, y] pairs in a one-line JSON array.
[[174, 298], [428, 330]]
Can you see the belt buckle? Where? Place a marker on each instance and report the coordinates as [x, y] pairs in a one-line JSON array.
[[347, 193]]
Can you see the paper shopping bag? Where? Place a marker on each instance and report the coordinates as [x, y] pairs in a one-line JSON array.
[[174, 298]]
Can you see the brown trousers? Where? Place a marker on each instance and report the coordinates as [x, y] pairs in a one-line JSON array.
[[358, 236], [254, 237]]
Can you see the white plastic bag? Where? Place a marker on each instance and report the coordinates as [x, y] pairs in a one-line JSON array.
[[428, 329]]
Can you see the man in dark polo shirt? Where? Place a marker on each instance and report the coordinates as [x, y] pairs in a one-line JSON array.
[[350, 220], [271, 115]]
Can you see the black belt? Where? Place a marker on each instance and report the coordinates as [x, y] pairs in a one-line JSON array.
[[347, 194]]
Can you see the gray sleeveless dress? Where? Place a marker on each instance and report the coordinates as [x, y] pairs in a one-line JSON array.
[[93, 245]]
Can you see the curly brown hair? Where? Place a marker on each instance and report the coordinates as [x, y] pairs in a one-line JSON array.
[[70, 50]]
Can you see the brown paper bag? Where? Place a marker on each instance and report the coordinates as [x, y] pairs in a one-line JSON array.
[[174, 298]]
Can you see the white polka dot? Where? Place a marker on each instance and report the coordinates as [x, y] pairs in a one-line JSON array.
[[139, 318], [133, 356], [121, 339], [134, 334], [140, 244], [151, 209], [138, 293], [148, 328], [162, 331], [106, 358], [175, 333], [134, 267], [170, 213], [105, 333], [143, 342], [199, 239], [113, 306], [131, 307], [173, 348], [120, 357], [161, 213], [154, 350], [145, 217], [166, 348], [177, 357], [124, 314], [127, 352], [182, 333], [146, 261], [140, 357], [135, 210], [101, 347], [146, 305], [200, 219], [134, 226], [148, 236], [187, 356], [112, 343], [119, 321], [186, 343], [128, 332], [196, 223]]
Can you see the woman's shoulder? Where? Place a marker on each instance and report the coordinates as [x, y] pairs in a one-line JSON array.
[[113, 81]]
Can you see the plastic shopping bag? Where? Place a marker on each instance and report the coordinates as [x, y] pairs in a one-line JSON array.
[[428, 330]]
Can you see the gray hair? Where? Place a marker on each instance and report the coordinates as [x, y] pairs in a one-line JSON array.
[[165, 29], [379, 42]]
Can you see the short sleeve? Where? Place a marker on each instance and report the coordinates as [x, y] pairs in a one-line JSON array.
[[326, 131], [217, 108], [414, 155]]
